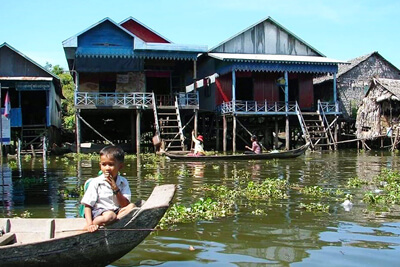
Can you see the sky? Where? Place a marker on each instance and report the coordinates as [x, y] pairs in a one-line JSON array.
[[339, 29]]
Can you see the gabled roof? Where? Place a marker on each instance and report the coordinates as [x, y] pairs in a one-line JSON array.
[[144, 26], [73, 40], [272, 21], [343, 69], [30, 60], [55, 79]]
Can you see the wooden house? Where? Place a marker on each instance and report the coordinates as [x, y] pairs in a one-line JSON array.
[[261, 79], [130, 84], [378, 116], [35, 96], [353, 80]]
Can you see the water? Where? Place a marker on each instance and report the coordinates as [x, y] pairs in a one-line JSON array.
[[285, 235]]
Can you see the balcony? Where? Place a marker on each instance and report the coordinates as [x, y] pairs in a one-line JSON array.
[[96, 100], [242, 107]]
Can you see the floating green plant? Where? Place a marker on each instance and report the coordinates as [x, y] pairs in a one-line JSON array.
[[315, 207]]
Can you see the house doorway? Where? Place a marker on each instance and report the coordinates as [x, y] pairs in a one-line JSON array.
[[33, 107], [244, 88]]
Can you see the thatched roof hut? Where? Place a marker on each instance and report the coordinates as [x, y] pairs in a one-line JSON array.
[[379, 113]]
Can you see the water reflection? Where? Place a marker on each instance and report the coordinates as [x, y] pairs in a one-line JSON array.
[[284, 235]]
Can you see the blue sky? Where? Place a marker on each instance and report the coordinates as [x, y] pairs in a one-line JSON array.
[[339, 29]]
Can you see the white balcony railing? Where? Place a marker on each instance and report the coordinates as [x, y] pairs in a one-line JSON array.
[[133, 100], [265, 107]]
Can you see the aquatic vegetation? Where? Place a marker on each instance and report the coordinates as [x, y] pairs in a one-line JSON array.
[[203, 209], [184, 173], [154, 176], [315, 190], [388, 192], [27, 157], [25, 214], [215, 167], [269, 188], [243, 174], [258, 212], [356, 182], [12, 164], [315, 207]]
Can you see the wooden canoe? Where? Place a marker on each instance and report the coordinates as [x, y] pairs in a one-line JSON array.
[[272, 155], [61, 242]]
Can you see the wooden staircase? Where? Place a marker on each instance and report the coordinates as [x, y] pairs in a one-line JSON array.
[[169, 126], [316, 128]]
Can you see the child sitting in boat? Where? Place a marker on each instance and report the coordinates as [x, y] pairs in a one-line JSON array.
[[255, 146], [108, 196], [198, 145]]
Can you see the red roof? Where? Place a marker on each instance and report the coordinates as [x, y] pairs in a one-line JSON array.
[[142, 32]]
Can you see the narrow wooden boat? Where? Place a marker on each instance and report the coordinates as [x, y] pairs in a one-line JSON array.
[[272, 155], [62, 242]]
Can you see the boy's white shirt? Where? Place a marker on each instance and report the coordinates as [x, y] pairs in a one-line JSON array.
[[100, 187]]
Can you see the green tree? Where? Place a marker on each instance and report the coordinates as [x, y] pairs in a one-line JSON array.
[[67, 104]]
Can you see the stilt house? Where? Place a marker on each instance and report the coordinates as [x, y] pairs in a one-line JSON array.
[[353, 80], [35, 96], [130, 85], [260, 81], [379, 114]]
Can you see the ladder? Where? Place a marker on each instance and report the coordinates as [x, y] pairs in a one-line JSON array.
[[316, 128], [169, 126]]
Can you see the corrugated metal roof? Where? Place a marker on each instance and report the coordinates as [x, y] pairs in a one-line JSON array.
[[30, 60], [275, 58], [104, 52], [3, 78], [273, 22]]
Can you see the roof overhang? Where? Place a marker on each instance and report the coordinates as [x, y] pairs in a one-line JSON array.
[[47, 79], [275, 58]]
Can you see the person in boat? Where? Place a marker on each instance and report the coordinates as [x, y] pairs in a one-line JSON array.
[[255, 146], [198, 145], [108, 196]]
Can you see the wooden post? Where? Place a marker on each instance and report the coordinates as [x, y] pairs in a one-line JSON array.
[[196, 112], [78, 131], [276, 134], [138, 117], [224, 133], [133, 130], [234, 134], [287, 133], [217, 133], [336, 133]]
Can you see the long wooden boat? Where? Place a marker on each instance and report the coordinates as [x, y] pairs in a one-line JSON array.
[[272, 155], [62, 242]]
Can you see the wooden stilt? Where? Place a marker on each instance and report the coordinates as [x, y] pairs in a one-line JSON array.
[[336, 134], [217, 133], [234, 134], [78, 131], [224, 134], [196, 119], [276, 134], [138, 117], [133, 130], [287, 133]]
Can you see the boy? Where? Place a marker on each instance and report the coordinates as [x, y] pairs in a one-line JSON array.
[[108, 195]]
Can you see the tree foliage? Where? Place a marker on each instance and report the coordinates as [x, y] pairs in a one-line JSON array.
[[67, 104]]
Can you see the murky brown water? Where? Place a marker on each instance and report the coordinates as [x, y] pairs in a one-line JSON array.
[[285, 235]]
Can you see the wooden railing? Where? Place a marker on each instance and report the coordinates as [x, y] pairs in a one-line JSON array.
[[269, 108], [92, 100]]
